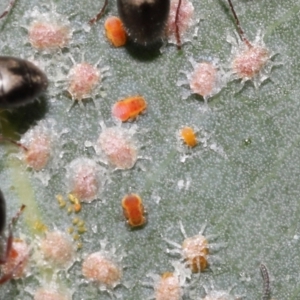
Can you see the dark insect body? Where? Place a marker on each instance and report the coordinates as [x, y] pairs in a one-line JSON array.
[[2, 214], [266, 280], [6, 249], [20, 82], [145, 21]]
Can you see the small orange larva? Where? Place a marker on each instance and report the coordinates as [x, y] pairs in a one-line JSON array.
[[129, 108], [115, 31], [133, 209], [188, 136]]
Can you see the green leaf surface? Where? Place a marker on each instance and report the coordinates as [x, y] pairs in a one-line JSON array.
[[247, 193]]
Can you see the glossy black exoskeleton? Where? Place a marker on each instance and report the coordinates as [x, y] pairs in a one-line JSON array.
[[6, 248], [20, 82], [144, 20], [2, 215]]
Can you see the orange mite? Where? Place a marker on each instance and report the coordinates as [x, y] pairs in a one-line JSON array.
[[133, 210], [129, 108], [189, 137], [115, 31]]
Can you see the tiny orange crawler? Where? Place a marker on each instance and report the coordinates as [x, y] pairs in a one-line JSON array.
[[189, 137], [133, 210], [129, 108], [115, 31]]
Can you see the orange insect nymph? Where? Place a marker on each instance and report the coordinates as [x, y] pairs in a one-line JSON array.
[[129, 108], [188, 136], [133, 210], [115, 31]]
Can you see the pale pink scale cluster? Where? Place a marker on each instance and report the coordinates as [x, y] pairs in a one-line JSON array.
[[49, 31], [250, 61], [117, 147], [39, 144], [83, 78], [57, 249], [168, 287], [84, 179], [48, 36], [206, 79], [102, 270], [38, 152], [49, 294], [171, 285], [203, 79]]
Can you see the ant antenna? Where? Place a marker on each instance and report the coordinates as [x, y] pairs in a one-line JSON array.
[[8, 8], [177, 27], [238, 25], [2, 138], [99, 15]]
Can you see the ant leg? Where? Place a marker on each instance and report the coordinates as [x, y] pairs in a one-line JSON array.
[[8, 8], [10, 234], [2, 138], [6, 277], [99, 15], [177, 27], [238, 25]]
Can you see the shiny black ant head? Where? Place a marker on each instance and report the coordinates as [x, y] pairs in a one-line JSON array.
[[2, 213], [144, 20], [20, 82]]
